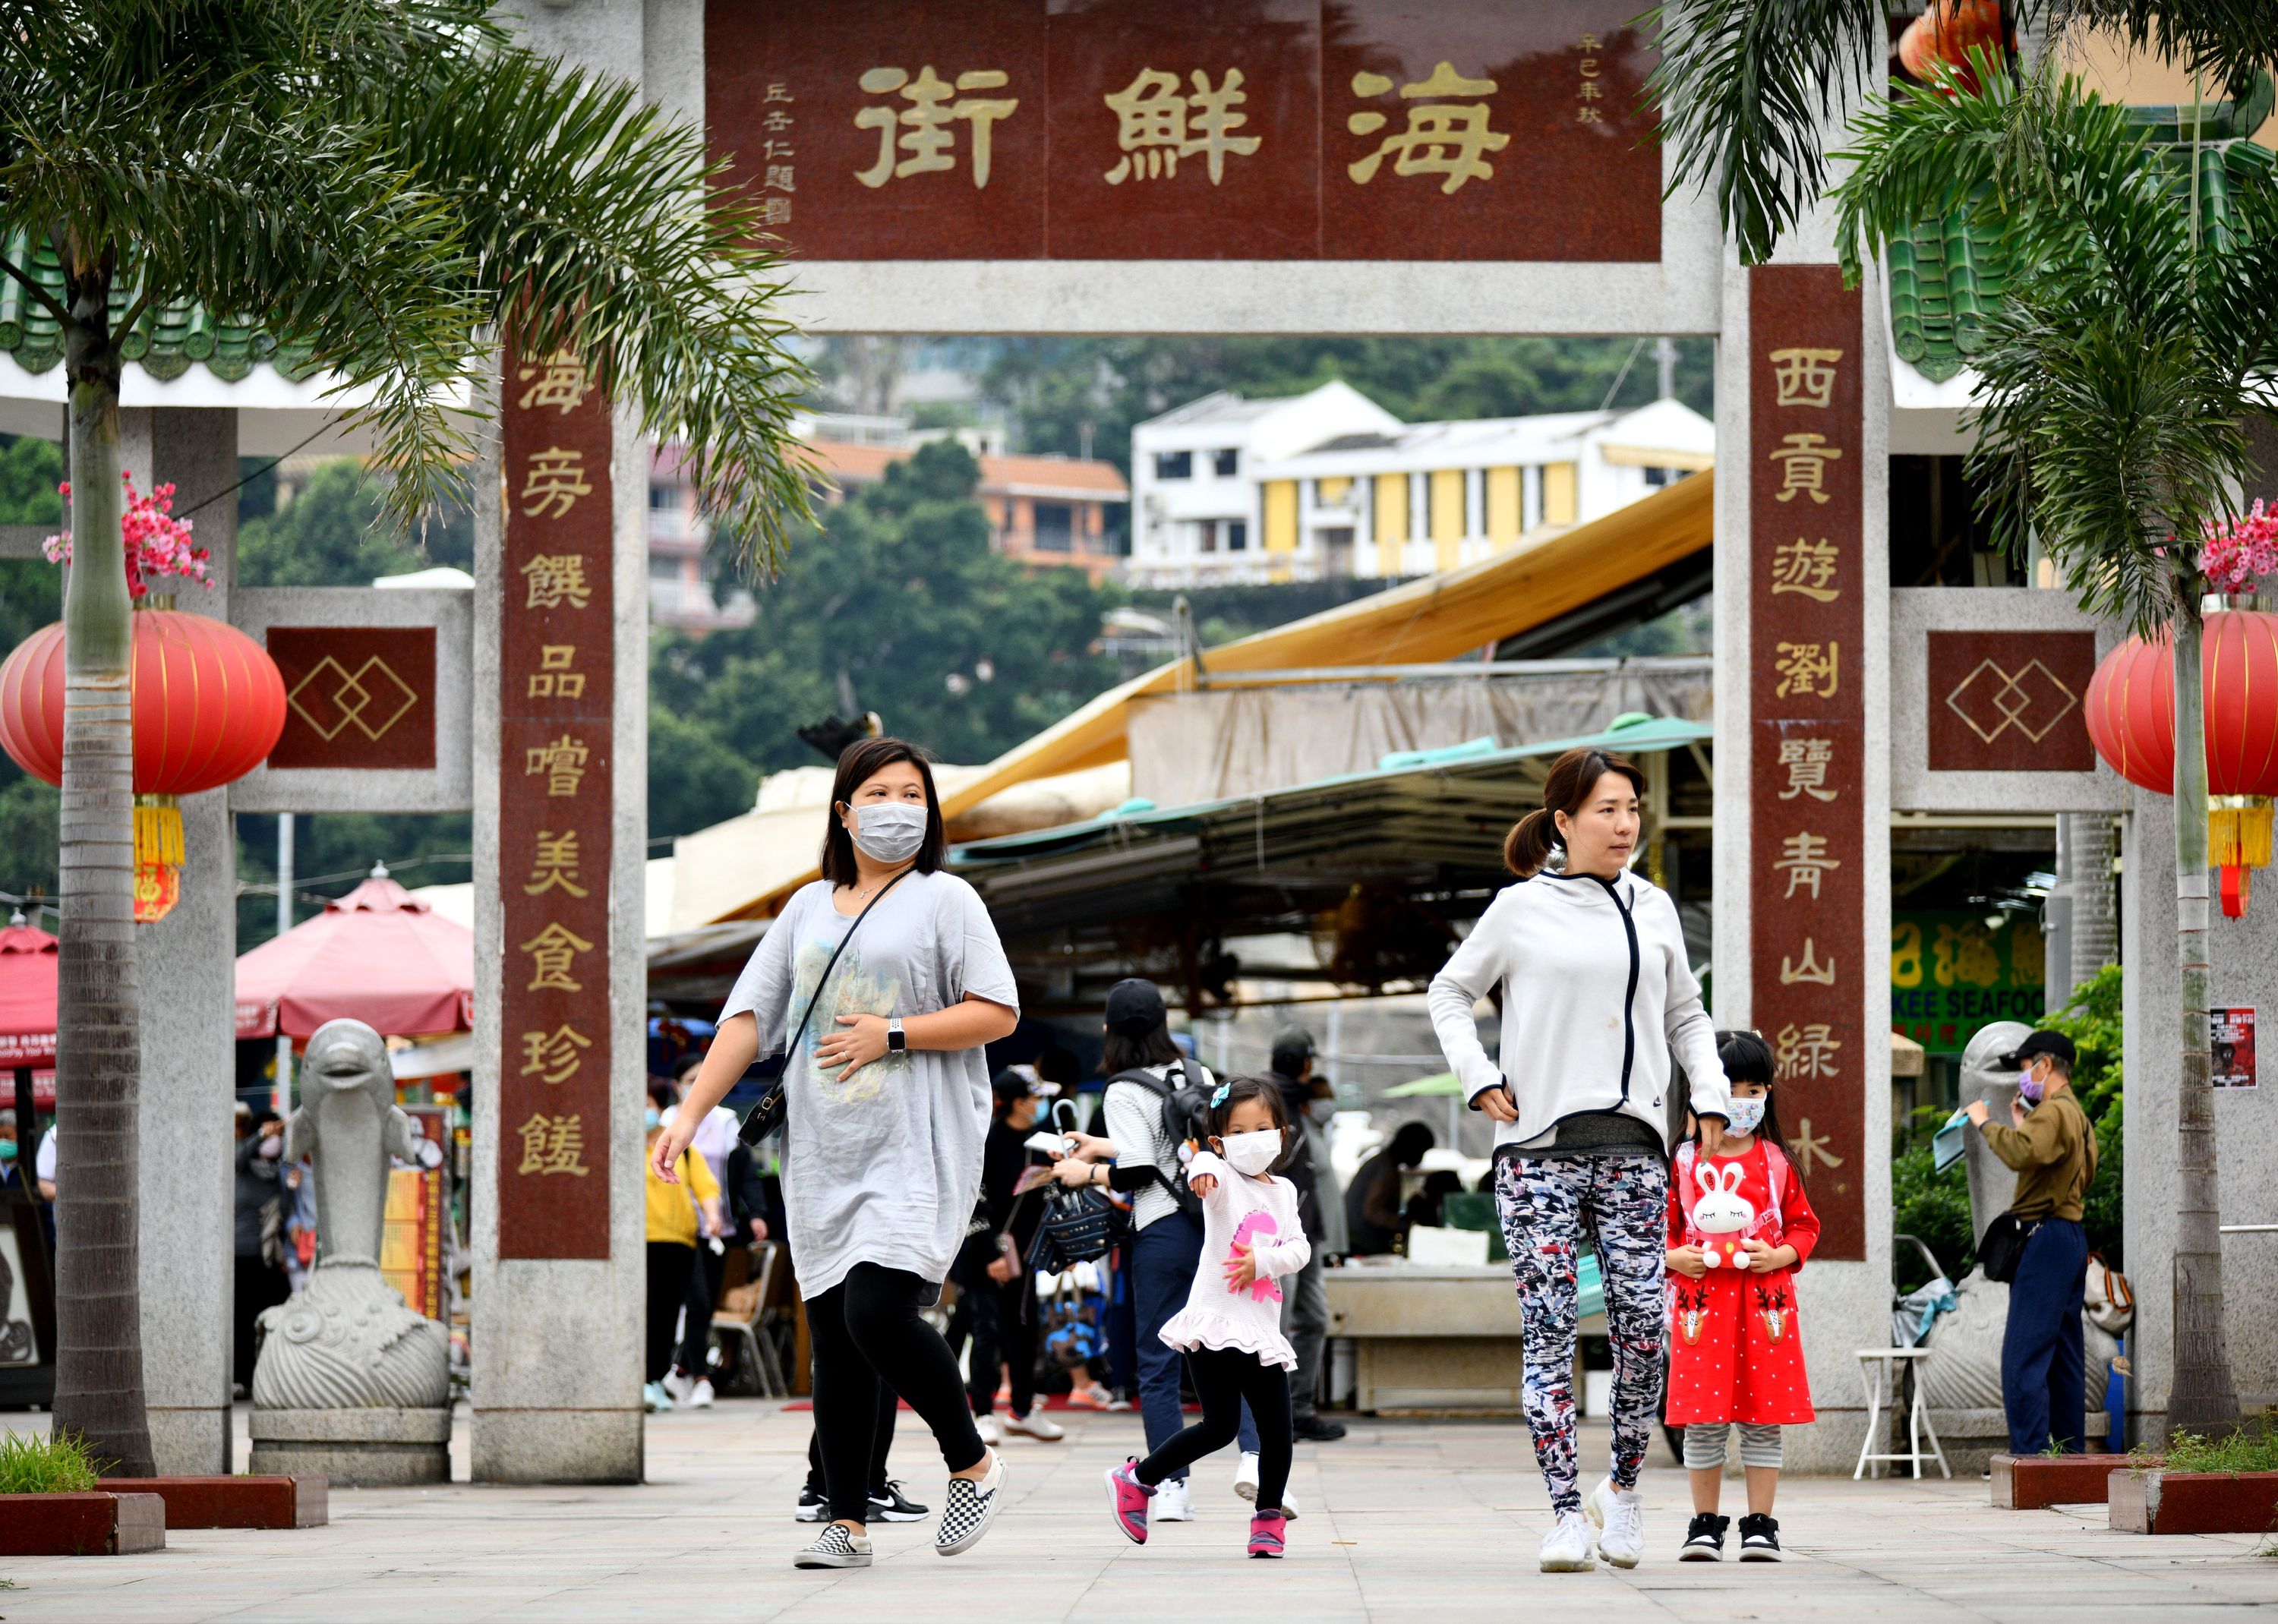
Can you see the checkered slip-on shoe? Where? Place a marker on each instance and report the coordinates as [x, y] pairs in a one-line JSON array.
[[837, 1548], [970, 1508]]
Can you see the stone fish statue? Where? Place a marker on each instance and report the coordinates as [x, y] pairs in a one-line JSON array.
[[346, 1340]]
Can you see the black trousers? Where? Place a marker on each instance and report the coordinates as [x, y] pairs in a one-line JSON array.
[[703, 1291], [1003, 1333], [257, 1287], [1224, 1380], [881, 1444], [865, 1331], [670, 1262]]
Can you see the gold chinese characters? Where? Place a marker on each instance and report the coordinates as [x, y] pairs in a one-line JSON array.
[[552, 1144], [554, 679], [553, 1056], [1807, 761], [1443, 137], [927, 137], [1157, 125]]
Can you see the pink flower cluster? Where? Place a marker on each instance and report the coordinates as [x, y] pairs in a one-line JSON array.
[[2240, 550], [158, 543]]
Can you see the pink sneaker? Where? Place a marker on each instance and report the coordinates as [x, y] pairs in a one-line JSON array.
[[1266, 1529], [1126, 1500]]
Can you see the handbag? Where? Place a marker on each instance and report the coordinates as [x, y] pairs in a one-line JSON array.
[[2003, 1246], [1078, 1226], [773, 1107]]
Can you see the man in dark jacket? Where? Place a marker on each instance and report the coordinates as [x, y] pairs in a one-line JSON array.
[[1305, 1299]]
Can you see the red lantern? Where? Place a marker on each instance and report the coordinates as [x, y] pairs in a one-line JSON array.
[[209, 704], [2131, 720]]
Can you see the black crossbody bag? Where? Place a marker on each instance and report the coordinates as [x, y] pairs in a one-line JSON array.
[[768, 1115]]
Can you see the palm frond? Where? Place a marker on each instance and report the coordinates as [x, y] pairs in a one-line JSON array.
[[1746, 88]]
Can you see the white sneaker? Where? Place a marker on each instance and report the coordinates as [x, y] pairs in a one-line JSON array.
[[1174, 1502], [655, 1399], [700, 1394], [1036, 1425], [1619, 1517], [1566, 1548], [678, 1385], [1245, 1485], [986, 1426]]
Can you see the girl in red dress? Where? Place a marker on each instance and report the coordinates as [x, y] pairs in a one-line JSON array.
[[1739, 1227]]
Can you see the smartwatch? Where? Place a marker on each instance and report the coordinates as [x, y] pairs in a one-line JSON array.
[[897, 1041]]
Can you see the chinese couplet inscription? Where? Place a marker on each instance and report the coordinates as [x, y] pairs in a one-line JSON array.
[[556, 672], [1807, 847]]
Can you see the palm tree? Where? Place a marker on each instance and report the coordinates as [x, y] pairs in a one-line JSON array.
[[1747, 87], [2117, 377], [390, 184]]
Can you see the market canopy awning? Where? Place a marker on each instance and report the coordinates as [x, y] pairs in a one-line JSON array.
[[1437, 618], [378, 955], [27, 998], [1373, 865]]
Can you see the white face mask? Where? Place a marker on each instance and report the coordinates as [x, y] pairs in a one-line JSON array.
[[1252, 1153], [891, 831], [1747, 1114]]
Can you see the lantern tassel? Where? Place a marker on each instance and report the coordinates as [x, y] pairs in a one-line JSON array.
[[157, 829], [2238, 842]]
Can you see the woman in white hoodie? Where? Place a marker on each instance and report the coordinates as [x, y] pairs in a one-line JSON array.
[[1595, 992]]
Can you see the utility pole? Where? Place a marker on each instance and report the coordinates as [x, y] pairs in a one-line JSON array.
[[280, 1094]]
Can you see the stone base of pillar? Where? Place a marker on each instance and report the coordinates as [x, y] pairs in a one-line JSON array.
[[558, 1447], [193, 1433], [360, 1449]]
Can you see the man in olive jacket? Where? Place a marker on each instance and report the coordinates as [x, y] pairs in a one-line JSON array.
[[2053, 1147]]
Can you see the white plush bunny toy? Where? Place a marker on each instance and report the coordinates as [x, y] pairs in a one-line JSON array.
[[1721, 1215]]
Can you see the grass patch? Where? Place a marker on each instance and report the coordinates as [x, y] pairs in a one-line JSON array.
[[2244, 1451], [46, 1465]]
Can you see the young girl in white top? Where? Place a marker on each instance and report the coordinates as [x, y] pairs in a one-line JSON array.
[[1230, 1329]]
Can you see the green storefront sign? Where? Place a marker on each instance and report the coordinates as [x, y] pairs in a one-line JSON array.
[[1952, 974]]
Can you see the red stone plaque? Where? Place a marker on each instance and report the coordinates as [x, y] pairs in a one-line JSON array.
[[556, 670], [1221, 129], [356, 697], [1807, 836], [2010, 701]]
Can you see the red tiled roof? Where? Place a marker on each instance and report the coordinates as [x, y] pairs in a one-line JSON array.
[[850, 464]]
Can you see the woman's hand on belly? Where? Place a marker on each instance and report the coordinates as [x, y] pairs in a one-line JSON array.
[[860, 1040]]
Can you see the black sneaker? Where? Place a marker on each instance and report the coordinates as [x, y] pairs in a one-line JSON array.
[[1314, 1429], [1759, 1538], [1704, 1538], [891, 1505], [814, 1504]]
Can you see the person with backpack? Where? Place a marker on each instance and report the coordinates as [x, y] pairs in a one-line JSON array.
[[1597, 991], [1158, 1103], [1740, 1225]]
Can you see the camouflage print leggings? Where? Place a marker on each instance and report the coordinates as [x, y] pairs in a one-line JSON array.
[[1548, 1205]]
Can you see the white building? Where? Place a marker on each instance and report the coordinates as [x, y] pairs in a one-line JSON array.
[[1194, 513], [1387, 500]]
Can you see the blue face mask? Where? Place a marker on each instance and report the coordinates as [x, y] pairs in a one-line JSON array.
[[651, 1118], [1747, 1114], [7, 1150]]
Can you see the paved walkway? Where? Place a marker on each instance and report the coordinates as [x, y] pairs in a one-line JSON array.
[[1407, 1522]]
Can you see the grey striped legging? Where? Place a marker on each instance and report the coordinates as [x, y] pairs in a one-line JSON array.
[[1704, 1444]]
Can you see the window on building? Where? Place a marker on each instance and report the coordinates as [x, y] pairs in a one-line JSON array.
[[1226, 462], [1237, 534], [1174, 465], [1206, 535], [663, 496], [1055, 527], [1657, 477]]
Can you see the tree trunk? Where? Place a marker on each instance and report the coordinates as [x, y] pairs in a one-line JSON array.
[[2202, 1398], [98, 1017]]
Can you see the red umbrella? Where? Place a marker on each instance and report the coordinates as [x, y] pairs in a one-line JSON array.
[[28, 1007], [378, 955]]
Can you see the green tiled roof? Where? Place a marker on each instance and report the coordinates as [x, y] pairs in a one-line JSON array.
[[1949, 275], [166, 342]]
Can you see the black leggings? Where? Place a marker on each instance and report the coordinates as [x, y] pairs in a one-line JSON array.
[[881, 1444], [1003, 1333], [865, 1330], [670, 1262], [1224, 1377]]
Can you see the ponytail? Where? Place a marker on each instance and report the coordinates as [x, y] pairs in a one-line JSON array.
[[1528, 845], [1572, 778]]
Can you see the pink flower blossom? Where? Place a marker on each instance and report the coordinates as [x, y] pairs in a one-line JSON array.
[[2241, 550], [156, 543]]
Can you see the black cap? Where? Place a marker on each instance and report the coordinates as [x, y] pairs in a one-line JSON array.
[[1134, 1007], [1017, 1082], [2054, 1044], [1293, 1047]]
